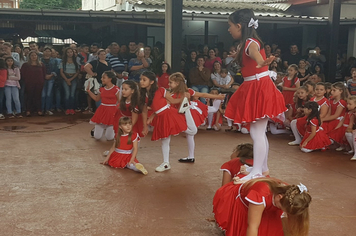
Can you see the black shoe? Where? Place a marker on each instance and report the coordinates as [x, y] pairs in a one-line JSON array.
[[92, 132], [187, 160], [209, 128]]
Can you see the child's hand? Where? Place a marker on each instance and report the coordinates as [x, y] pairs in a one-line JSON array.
[[348, 130], [145, 130], [149, 120], [304, 144], [187, 95], [243, 170], [105, 162], [221, 96], [266, 62]]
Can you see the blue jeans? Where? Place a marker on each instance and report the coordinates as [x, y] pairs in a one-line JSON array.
[[69, 94], [12, 93], [2, 90], [47, 95], [201, 89]]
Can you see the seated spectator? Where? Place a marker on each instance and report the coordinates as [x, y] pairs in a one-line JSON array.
[[351, 84], [209, 63], [163, 75], [292, 57], [316, 58], [221, 78], [303, 71], [268, 50], [200, 78], [189, 64], [138, 65], [275, 67]]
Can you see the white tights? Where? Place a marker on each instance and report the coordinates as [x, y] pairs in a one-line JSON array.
[[191, 131], [275, 130], [99, 131], [293, 126], [166, 148], [211, 110], [132, 167], [351, 140], [260, 148]]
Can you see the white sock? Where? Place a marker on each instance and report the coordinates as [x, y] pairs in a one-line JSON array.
[[191, 146], [265, 166], [350, 140], [306, 150], [165, 149], [192, 129], [229, 122], [98, 131], [293, 126], [132, 167], [275, 130], [110, 133], [210, 119], [260, 152]]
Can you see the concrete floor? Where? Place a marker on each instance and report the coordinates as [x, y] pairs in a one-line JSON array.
[[52, 183]]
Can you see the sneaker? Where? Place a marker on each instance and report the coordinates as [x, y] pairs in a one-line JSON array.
[[49, 113], [339, 149], [67, 112], [141, 168], [353, 158], [78, 110], [72, 112], [163, 167], [2, 117], [187, 160], [106, 153], [19, 116], [294, 143], [88, 112]]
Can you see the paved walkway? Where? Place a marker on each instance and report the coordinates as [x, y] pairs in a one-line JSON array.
[[52, 183]]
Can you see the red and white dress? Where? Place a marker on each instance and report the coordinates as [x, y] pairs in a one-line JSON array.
[[138, 127], [320, 140], [198, 109], [257, 96], [330, 125], [238, 199], [288, 95], [167, 120], [105, 113], [338, 135], [123, 153]]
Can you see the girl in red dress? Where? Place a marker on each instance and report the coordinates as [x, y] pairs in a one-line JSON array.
[[256, 208], [197, 111], [298, 125], [163, 75], [257, 99], [128, 107], [165, 118], [314, 137], [337, 107], [290, 84], [104, 115], [124, 150]]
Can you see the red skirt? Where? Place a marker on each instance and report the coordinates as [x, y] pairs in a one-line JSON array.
[[119, 160], [338, 135], [288, 97], [104, 115], [328, 126], [168, 122], [301, 125], [320, 140], [255, 100], [199, 115]]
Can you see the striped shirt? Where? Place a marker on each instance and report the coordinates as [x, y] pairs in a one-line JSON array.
[[117, 62]]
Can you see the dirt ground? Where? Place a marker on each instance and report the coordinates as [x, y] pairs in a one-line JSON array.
[[52, 183]]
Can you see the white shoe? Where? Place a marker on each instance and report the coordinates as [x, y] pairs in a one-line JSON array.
[[244, 131], [2, 117], [141, 168], [294, 143], [353, 158], [106, 153], [339, 149], [49, 113], [163, 167]]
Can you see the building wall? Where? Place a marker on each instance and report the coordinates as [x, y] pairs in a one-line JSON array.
[[98, 5], [347, 10], [9, 3]]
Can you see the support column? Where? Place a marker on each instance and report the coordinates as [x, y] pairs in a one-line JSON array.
[[351, 42], [168, 32], [334, 23], [206, 33]]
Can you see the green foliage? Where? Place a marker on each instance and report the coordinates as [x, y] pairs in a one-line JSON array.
[[51, 4]]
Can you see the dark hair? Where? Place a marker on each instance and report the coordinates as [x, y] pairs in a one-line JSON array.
[[95, 45], [111, 75], [160, 72], [84, 45], [300, 101], [245, 151], [65, 59], [328, 86], [310, 83], [211, 100], [295, 67], [243, 17], [22, 57], [13, 64], [314, 113], [199, 56], [143, 91], [134, 97], [224, 70], [32, 42], [322, 84], [47, 48]]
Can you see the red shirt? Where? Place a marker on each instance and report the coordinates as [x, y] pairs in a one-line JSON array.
[[3, 78]]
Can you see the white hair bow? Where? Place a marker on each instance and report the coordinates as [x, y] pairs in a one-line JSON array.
[[253, 23], [302, 188]]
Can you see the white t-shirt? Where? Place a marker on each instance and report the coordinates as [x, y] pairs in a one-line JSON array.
[[220, 80]]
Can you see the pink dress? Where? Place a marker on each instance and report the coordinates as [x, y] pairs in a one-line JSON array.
[[257, 96], [106, 111]]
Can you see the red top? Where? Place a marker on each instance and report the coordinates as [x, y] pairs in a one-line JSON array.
[[347, 118], [321, 102], [175, 95], [123, 141], [288, 83], [334, 105], [234, 165], [108, 96], [3, 77], [313, 122], [159, 100], [249, 65], [163, 80], [127, 112], [209, 64]]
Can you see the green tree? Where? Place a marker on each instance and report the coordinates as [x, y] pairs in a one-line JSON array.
[[51, 4]]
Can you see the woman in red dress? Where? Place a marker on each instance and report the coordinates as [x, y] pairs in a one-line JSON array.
[[290, 84], [257, 99], [109, 95]]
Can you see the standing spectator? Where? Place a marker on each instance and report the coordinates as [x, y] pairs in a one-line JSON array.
[[69, 71], [52, 71], [123, 51], [33, 73], [22, 57], [132, 50], [163, 75], [93, 52], [268, 50], [148, 56], [58, 85], [293, 57], [26, 51], [189, 64], [12, 86], [82, 57], [23, 60], [200, 78], [3, 78], [117, 62], [303, 72], [6, 50], [34, 47], [209, 63], [138, 65]]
